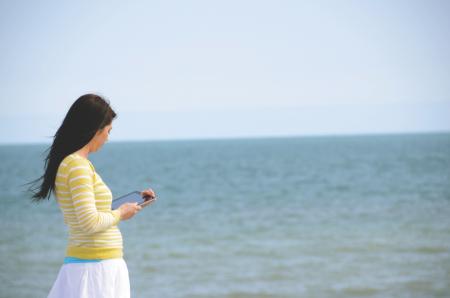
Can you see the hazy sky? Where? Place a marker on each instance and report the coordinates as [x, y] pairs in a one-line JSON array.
[[200, 69]]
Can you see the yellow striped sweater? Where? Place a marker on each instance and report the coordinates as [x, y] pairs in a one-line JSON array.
[[85, 202]]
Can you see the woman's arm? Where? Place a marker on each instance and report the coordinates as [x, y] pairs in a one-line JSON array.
[[81, 187]]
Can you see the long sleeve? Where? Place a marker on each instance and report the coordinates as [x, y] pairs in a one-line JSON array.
[[80, 180]]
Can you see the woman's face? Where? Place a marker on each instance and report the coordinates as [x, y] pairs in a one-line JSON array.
[[100, 138]]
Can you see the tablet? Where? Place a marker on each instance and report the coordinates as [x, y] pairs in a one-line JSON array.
[[132, 197]]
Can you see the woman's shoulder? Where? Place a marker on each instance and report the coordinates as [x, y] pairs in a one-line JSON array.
[[74, 160]]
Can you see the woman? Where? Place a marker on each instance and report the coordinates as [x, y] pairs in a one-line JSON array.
[[93, 266]]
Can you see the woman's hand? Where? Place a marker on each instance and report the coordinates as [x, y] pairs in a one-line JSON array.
[[128, 210], [149, 196], [148, 193]]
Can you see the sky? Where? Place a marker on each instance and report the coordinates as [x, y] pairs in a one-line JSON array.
[[225, 69]]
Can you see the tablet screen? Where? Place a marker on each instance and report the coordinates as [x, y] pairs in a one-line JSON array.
[[132, 197]]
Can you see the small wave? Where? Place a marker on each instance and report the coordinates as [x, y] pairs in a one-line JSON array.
[[360, 291], [432, 249]]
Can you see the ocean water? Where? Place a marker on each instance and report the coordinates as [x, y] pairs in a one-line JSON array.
[[350, 216]]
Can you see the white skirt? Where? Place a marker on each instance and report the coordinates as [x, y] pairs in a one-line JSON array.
[[105, 279]]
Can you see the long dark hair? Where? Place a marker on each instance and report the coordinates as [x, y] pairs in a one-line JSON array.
[[87, 115]]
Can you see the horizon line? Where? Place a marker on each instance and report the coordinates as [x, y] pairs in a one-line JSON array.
[[224, 138]]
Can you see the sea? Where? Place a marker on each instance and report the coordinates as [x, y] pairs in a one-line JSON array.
[[323, 216]]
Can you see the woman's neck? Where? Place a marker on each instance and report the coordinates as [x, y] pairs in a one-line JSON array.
[[83, 152]]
